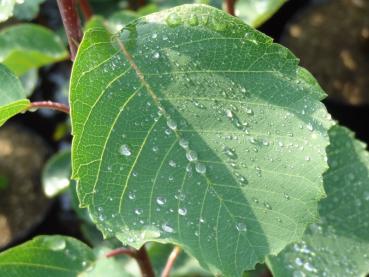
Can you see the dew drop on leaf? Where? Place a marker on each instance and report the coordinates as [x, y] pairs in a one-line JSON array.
[[167, 228], [182, 211], [191, 156], [125, 150], [200, 168], [184, 143], [161, 200], [172, 124], [54, 243], [173, 19], [241, 227]]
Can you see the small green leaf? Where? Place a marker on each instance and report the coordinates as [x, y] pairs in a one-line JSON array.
[[27, 46], [190, 127], [47, 256], [339, 244], [27, 10], [121, 18], [256, 12], [12, 95], [56, 174]]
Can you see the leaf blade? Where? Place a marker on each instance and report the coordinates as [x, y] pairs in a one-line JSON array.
[[338, 244], [27, 46], [131, 166]]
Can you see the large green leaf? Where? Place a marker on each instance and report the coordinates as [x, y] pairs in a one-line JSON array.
[[191, 127], [339, 244], [27, 46], [256, 12], [47, 256], [12, 95]]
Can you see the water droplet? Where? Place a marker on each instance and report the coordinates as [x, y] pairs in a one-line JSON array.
[[180, 195], [125, 150], [286, 196], [200, 168], [299, 261], [172, 124], [161, 200], [172, 163], [182, 211], [267, 205], [191, 156], [156, 55], [184, 143], [231, 153], [138, 211], [193, 20], [54, 243], [307, 158], [173, 20], [155, 149], [131, 195], [154, 35], [219, 24], [241, 227], [167, 228]]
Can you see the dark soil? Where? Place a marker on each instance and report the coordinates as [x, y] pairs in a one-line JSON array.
[[22, 202]]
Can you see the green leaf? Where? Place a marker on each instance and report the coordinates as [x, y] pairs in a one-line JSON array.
[[190, 127], [29, 81], [12, 95], [47, 256], [27, 10], [121, 18], [27, 46], [56, 174], [256, 12], [337, 245]]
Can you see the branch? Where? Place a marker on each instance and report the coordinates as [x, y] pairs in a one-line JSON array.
[[141, 257], [170, 262], [72, 24], [230, 6], [86, 9], [49, 105]]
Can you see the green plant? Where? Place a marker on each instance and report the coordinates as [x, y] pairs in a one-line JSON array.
[[190, 128]]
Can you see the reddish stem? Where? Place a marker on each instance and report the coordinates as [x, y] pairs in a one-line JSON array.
[[170, 262], [49, 105], [141, 257], [230, 6], [72, 24], [144, 262], [86, 9], [120, 251]]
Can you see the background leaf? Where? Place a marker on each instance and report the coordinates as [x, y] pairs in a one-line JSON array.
[[27, 46], [192, 128], [56, 174], [339, 244], [6, 9], [256, 12], [47, 256], [27, 10], [12, 95]]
